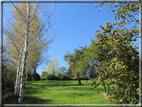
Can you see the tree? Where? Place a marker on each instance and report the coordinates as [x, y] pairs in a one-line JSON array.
[[89, 61], [119, 62], [69, 72], [62, 70], [43, 75], [25, 15], [123, 50], [53, 67], [73, 59]]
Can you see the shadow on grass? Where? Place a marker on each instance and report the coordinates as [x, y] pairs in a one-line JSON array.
[[53, 84], [36, 100], [31, 90], [13, 99], [26, 100]]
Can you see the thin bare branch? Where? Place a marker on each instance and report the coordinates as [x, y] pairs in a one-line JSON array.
[[43, 24], [13, 42], [33, 14], [19, 12], [33, 21], [13, 36], [40, 37], [12, 25]]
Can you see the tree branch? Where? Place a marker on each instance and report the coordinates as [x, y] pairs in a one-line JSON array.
[[13, 42], [43, 24], [19, 12], [40, 37], [13, 25]]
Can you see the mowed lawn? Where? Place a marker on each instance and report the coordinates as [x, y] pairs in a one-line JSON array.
[[61, 92]]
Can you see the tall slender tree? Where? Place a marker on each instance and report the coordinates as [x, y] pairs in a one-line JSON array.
[[27, 25]]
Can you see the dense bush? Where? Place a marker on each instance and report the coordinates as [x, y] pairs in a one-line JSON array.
[[31, 77], [43, 75], [65, 78], [37, 77], [58, 77], [51, 77], [8, 78], [84, 78], [81, 78]]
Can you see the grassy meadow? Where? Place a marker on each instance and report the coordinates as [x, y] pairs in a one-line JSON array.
[[61, 92]]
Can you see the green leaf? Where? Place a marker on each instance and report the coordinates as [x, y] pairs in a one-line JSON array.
[[106, 4], [135, 39]]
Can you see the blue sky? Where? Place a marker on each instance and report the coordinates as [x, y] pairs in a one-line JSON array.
[[75, 24]]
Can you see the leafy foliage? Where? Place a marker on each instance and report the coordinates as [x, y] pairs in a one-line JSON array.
[[119, 65], [8, 78], [8, 72], [73, 59], [43, 75], [58, 77], [31, 77], [53, 67]]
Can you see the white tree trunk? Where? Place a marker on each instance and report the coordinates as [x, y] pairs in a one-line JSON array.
[[20, 100], [17, 83], [17, 79]]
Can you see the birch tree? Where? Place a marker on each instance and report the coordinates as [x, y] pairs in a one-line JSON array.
[[25, 15]]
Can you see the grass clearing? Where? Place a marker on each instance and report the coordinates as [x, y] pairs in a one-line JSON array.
[[61, 92]]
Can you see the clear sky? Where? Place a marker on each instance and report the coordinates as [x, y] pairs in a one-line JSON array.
[[75, 24]]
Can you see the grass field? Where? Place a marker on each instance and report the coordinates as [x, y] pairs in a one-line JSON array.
[[61, 92]]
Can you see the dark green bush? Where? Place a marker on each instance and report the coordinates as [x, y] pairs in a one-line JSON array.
[[65, 78], [81, 78], [84, 78], [52, 77], [37, 77], [8, 77], [31, 77], [58, 77]]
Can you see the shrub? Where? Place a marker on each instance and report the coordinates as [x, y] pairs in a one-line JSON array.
[[37, 77], [31, 78], [74, 78], [84, 78], [58, 77], [65, 78], [52, 77], [8, 78]]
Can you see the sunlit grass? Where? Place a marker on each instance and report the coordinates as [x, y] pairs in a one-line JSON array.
[[62, 92]]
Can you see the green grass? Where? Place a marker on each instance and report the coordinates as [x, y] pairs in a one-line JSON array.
[[61, 92]]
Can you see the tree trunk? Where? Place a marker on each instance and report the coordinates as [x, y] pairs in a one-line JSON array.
[[78, 79], [20, 100], [104, 86], [17, 83], [34, 74], [17, 79], [107, 89], [113, 88]]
